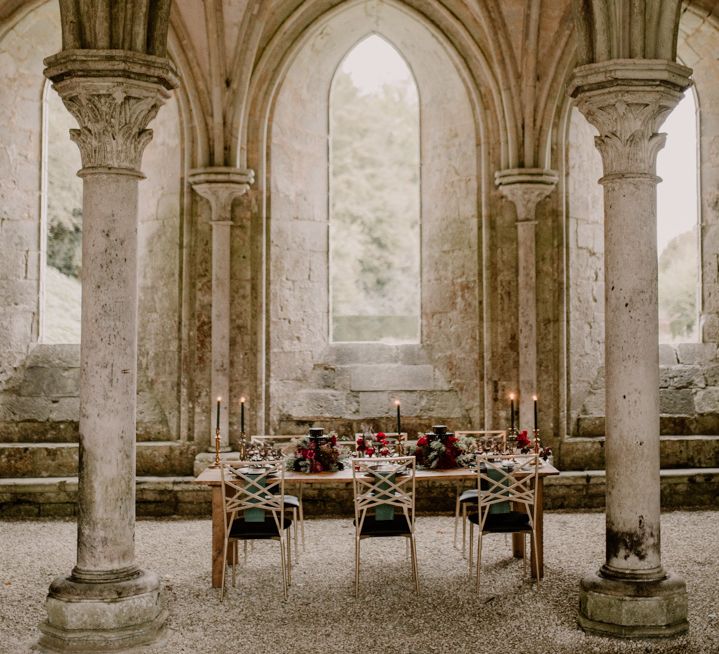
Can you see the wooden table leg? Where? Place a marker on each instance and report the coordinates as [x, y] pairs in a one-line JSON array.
[[518, 539], [539, 529], [218, 534]]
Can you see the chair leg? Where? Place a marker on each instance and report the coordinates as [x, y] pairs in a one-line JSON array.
[[224, 565], [414, 564], [479, 556], [456, 517], [464, 531], [471, 545], [536, 556], [357, 564], [244, 545], [283, 568], [289, 558], [302, 519], [297, 546], [234, 563]]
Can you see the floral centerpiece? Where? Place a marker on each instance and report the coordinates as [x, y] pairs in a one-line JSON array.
[[316, 453], [369, 444], [441, 449]]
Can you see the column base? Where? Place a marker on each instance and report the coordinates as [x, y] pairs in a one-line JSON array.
[[102, 617], [633, 609], [206, 459]]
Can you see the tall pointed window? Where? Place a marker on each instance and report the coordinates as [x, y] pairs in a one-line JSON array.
[[374, 197], [677, 212], [61, 226]]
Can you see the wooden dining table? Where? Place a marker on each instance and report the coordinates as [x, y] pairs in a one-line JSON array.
[[211, 477]]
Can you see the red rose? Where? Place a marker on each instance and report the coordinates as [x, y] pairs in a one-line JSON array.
[[316, 466], [384, 451], [370, 451], [422, 441], [309, 454], [379, 436]]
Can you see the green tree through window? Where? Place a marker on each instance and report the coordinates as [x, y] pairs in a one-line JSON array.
[[375, 197]]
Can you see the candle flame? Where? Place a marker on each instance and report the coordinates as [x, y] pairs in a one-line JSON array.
[[242, 400], [219, 399], [534, 397], [511, 396], [396, 402]]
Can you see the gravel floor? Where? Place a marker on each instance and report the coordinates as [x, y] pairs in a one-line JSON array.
[[321, 615]]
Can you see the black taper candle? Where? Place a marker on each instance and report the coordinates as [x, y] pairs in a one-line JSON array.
[[218, 412], [511, 410], [399, 420], [535, 413], [242, 415]]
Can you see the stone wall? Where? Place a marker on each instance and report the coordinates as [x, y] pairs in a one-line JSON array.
[[39, 392], [689, 384], [341, 385]]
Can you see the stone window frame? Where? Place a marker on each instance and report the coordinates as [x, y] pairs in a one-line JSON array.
[[403, 344], [43, 204]]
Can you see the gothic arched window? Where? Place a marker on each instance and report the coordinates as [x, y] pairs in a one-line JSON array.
[[677, 212], [61, 231], [374, 197]]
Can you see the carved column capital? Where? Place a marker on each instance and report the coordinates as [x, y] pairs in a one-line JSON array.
[[627, 101], [113, 95], [220, 185], [525, 187]]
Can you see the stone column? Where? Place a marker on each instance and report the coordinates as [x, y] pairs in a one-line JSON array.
[[526, 187], [220, 186], [107, 602], [627, 101]]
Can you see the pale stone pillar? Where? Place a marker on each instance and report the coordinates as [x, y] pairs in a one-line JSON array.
[[107, 602], [526, 187], [220, 186], [627, 101]]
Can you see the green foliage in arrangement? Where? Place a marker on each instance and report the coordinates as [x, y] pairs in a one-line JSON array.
[[374, 180]]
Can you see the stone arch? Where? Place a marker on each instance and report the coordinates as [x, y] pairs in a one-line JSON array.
[[321, 381]]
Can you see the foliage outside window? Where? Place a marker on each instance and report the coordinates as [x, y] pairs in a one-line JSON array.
[[63, 227], [375, 197], [677, 226]]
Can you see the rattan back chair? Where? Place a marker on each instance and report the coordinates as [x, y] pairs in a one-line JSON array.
[[254, 509], [509, 484], [384, 504]]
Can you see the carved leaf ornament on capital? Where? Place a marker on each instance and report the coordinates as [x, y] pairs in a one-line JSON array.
[[629, 140], [113, 123]]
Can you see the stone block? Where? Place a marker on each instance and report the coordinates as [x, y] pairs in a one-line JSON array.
[[392, 378], [676, 402], [711, 375], [681, 376], [707, 401], [696, 353], [373, 404], [50, 382], [667, 355], [318, 403]]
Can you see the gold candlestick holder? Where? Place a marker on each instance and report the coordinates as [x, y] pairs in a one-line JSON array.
[[399, 447], [243, 446], [536, 440], [217, 462]]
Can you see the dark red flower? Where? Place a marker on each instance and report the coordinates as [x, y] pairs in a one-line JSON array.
[[370, 451], [421, 441], [379, 436]]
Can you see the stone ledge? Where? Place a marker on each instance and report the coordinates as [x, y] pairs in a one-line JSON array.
[[587, 453], [181, 497], [61, 459]]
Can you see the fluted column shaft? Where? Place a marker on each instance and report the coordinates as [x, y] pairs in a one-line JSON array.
[[627, 101]]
